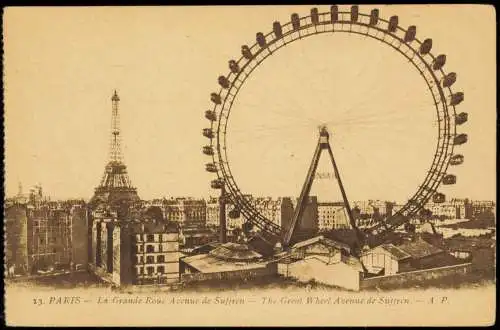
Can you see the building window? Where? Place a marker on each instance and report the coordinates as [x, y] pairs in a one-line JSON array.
[[161, 269], [139, 270], [151, 238], [161, 259], [150, 270], [150, 259], [160, 248], [150, 249]]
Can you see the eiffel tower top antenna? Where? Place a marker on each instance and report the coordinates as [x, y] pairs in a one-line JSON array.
[[115, 153]]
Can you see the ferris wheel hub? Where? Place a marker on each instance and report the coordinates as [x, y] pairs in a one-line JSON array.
[[323, 136]]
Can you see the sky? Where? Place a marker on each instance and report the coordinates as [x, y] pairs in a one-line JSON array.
[[63, 64]]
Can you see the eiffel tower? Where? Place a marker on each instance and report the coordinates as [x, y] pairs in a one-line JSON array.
[[115, 187]]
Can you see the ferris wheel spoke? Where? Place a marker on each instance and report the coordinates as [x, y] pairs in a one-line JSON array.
[[274, 128], [291, 114], [387, 179], [302, 116], [389, 119], [379, 120], [362, 104], [364, 111]]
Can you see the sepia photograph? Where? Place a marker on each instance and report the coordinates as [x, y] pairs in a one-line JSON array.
[[329, 165]]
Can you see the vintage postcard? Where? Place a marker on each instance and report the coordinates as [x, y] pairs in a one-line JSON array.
[[325, 165]]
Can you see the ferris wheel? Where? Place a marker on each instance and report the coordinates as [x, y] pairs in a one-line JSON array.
[[402, 40]]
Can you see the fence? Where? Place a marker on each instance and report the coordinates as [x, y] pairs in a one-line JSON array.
[[415, 277], [245, 274]]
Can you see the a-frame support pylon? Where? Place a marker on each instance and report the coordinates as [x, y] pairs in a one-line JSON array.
[[323, 143]]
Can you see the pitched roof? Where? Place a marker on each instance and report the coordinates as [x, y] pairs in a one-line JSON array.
[[337, 244], [353, 262], [206, 247], [234, 252], [321, 239], [419, 249], [307, 242], [206, 263], [395, 251], [262, 243]]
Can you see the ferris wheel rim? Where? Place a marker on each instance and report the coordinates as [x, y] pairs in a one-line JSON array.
[[438, 167]]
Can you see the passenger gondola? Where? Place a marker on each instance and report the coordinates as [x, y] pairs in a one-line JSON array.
[[393, 24], [374, 17], [233, 66], [426, 46], [295, 21], [245, 51], [234, 213], [278, 31], [449, 179], [456, 159], [410, 33], [456, 98], [449, 79], [261, 40], [461, 118], [223, 82], [314, 16], [208, 150], [210, 115], [210, 167], [207, 132], [460, 139], [215, 98], [354, 13], [217, 184], [438, 198], [334, 13], [439, 62]]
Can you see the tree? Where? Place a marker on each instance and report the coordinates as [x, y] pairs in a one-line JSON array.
[[155, 213], [356, 213], [377, 217], [247, 227], [409, 227], [425, 214], [237, 232]]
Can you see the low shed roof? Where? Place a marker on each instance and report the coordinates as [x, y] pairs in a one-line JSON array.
[[209, 264], [396, 252], [321, 239], [419, 249]]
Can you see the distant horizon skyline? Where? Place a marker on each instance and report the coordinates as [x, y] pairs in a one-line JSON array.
[[25, 193]]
